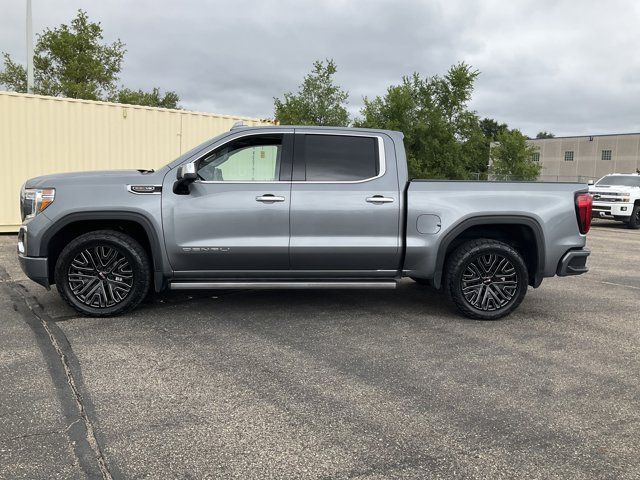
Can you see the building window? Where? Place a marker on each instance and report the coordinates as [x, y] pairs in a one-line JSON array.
[[568, 156], [535, 157], [606, 154]]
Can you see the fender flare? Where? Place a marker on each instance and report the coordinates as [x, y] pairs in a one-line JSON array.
[[139, 218], [454, 232]]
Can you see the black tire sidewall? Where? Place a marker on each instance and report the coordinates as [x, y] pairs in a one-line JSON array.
[[127, 246], [461, 259], [634, 221]]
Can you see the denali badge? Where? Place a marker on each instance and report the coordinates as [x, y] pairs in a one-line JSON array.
[[205, 249], [145, 189]]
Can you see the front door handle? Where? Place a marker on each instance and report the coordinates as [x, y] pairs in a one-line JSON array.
[[379, 199], [269, 198]]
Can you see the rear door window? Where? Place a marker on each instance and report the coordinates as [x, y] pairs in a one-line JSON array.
[[339, 157]]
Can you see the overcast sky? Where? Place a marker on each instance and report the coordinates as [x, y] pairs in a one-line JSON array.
[[570, 67]]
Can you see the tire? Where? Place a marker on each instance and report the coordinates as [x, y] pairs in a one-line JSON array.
[[421, 281], [103, 273], [634, 220], [498, 293]]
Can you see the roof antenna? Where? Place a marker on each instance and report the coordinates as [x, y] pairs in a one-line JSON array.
[[238, 124]]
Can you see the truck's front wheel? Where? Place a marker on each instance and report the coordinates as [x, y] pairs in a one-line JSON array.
[[486, 279], [103, 273], [634, 220]]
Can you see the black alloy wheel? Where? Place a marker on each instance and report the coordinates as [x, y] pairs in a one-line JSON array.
[[489, 282], [486, 279], [634, 219], [103, 273], [100, 277]]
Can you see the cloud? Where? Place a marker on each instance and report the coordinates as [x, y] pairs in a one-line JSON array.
[[564, 66]]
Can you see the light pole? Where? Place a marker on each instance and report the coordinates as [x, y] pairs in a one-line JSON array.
[[29, 49]]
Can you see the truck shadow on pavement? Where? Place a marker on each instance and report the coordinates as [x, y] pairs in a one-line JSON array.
[[407, 301], [608, 224]]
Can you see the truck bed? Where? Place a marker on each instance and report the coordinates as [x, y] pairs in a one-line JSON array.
[[437, 209]]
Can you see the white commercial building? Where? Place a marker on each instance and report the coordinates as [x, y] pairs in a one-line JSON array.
[[590, 157]]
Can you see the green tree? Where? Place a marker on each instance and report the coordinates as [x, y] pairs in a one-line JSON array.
[[154, 98], [443, 138], [14, 75], [73, 61], [545, 134], [491, 128], [513, 157], [318, 101], [70, 61]]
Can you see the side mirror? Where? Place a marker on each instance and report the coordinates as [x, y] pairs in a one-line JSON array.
[[185, 175], [590, 182], [187, 172]]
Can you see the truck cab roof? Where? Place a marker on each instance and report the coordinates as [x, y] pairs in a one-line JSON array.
[[241, 126]]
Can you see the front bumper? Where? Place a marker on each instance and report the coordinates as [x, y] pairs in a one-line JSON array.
[[611, 209], [574, 262], [36, 268]]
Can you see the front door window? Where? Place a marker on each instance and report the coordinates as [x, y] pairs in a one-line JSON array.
[[253, 159]]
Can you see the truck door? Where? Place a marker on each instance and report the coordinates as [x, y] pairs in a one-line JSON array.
[[345, 205], [236, 215]]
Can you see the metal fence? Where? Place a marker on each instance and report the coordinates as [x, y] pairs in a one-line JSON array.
[[41, 135]]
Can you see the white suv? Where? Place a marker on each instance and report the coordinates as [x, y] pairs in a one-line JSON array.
[[617, 197]]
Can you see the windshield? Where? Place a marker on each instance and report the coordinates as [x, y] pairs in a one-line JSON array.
[[629, 181], [195, 150]]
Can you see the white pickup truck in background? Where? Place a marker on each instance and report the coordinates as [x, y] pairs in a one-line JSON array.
[[617, 197]]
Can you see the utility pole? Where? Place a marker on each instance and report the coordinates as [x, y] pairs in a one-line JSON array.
[[29, 49]]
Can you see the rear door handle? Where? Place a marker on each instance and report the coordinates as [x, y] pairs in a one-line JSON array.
[[269, 198], [379, 199]]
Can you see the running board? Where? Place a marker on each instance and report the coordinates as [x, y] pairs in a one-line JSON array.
[[281, 285]]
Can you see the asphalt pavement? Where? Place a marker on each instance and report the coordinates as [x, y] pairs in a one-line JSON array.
[[327, 384]]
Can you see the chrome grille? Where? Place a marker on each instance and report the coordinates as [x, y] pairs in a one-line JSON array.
[[607, 196]]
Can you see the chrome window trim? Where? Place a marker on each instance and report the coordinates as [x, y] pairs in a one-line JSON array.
[[266, 131], [382, 159], [231, 182]]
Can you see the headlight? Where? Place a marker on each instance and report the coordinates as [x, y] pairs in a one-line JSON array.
[[35, 200], [626, 197]]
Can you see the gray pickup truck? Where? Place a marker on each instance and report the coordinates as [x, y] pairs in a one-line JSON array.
[[297, 207]]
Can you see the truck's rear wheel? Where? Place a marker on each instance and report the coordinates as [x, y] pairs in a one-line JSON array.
[[634, 220], [486, 279], [103, 273]]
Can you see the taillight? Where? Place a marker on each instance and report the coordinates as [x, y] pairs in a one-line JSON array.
[[584, 202]]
